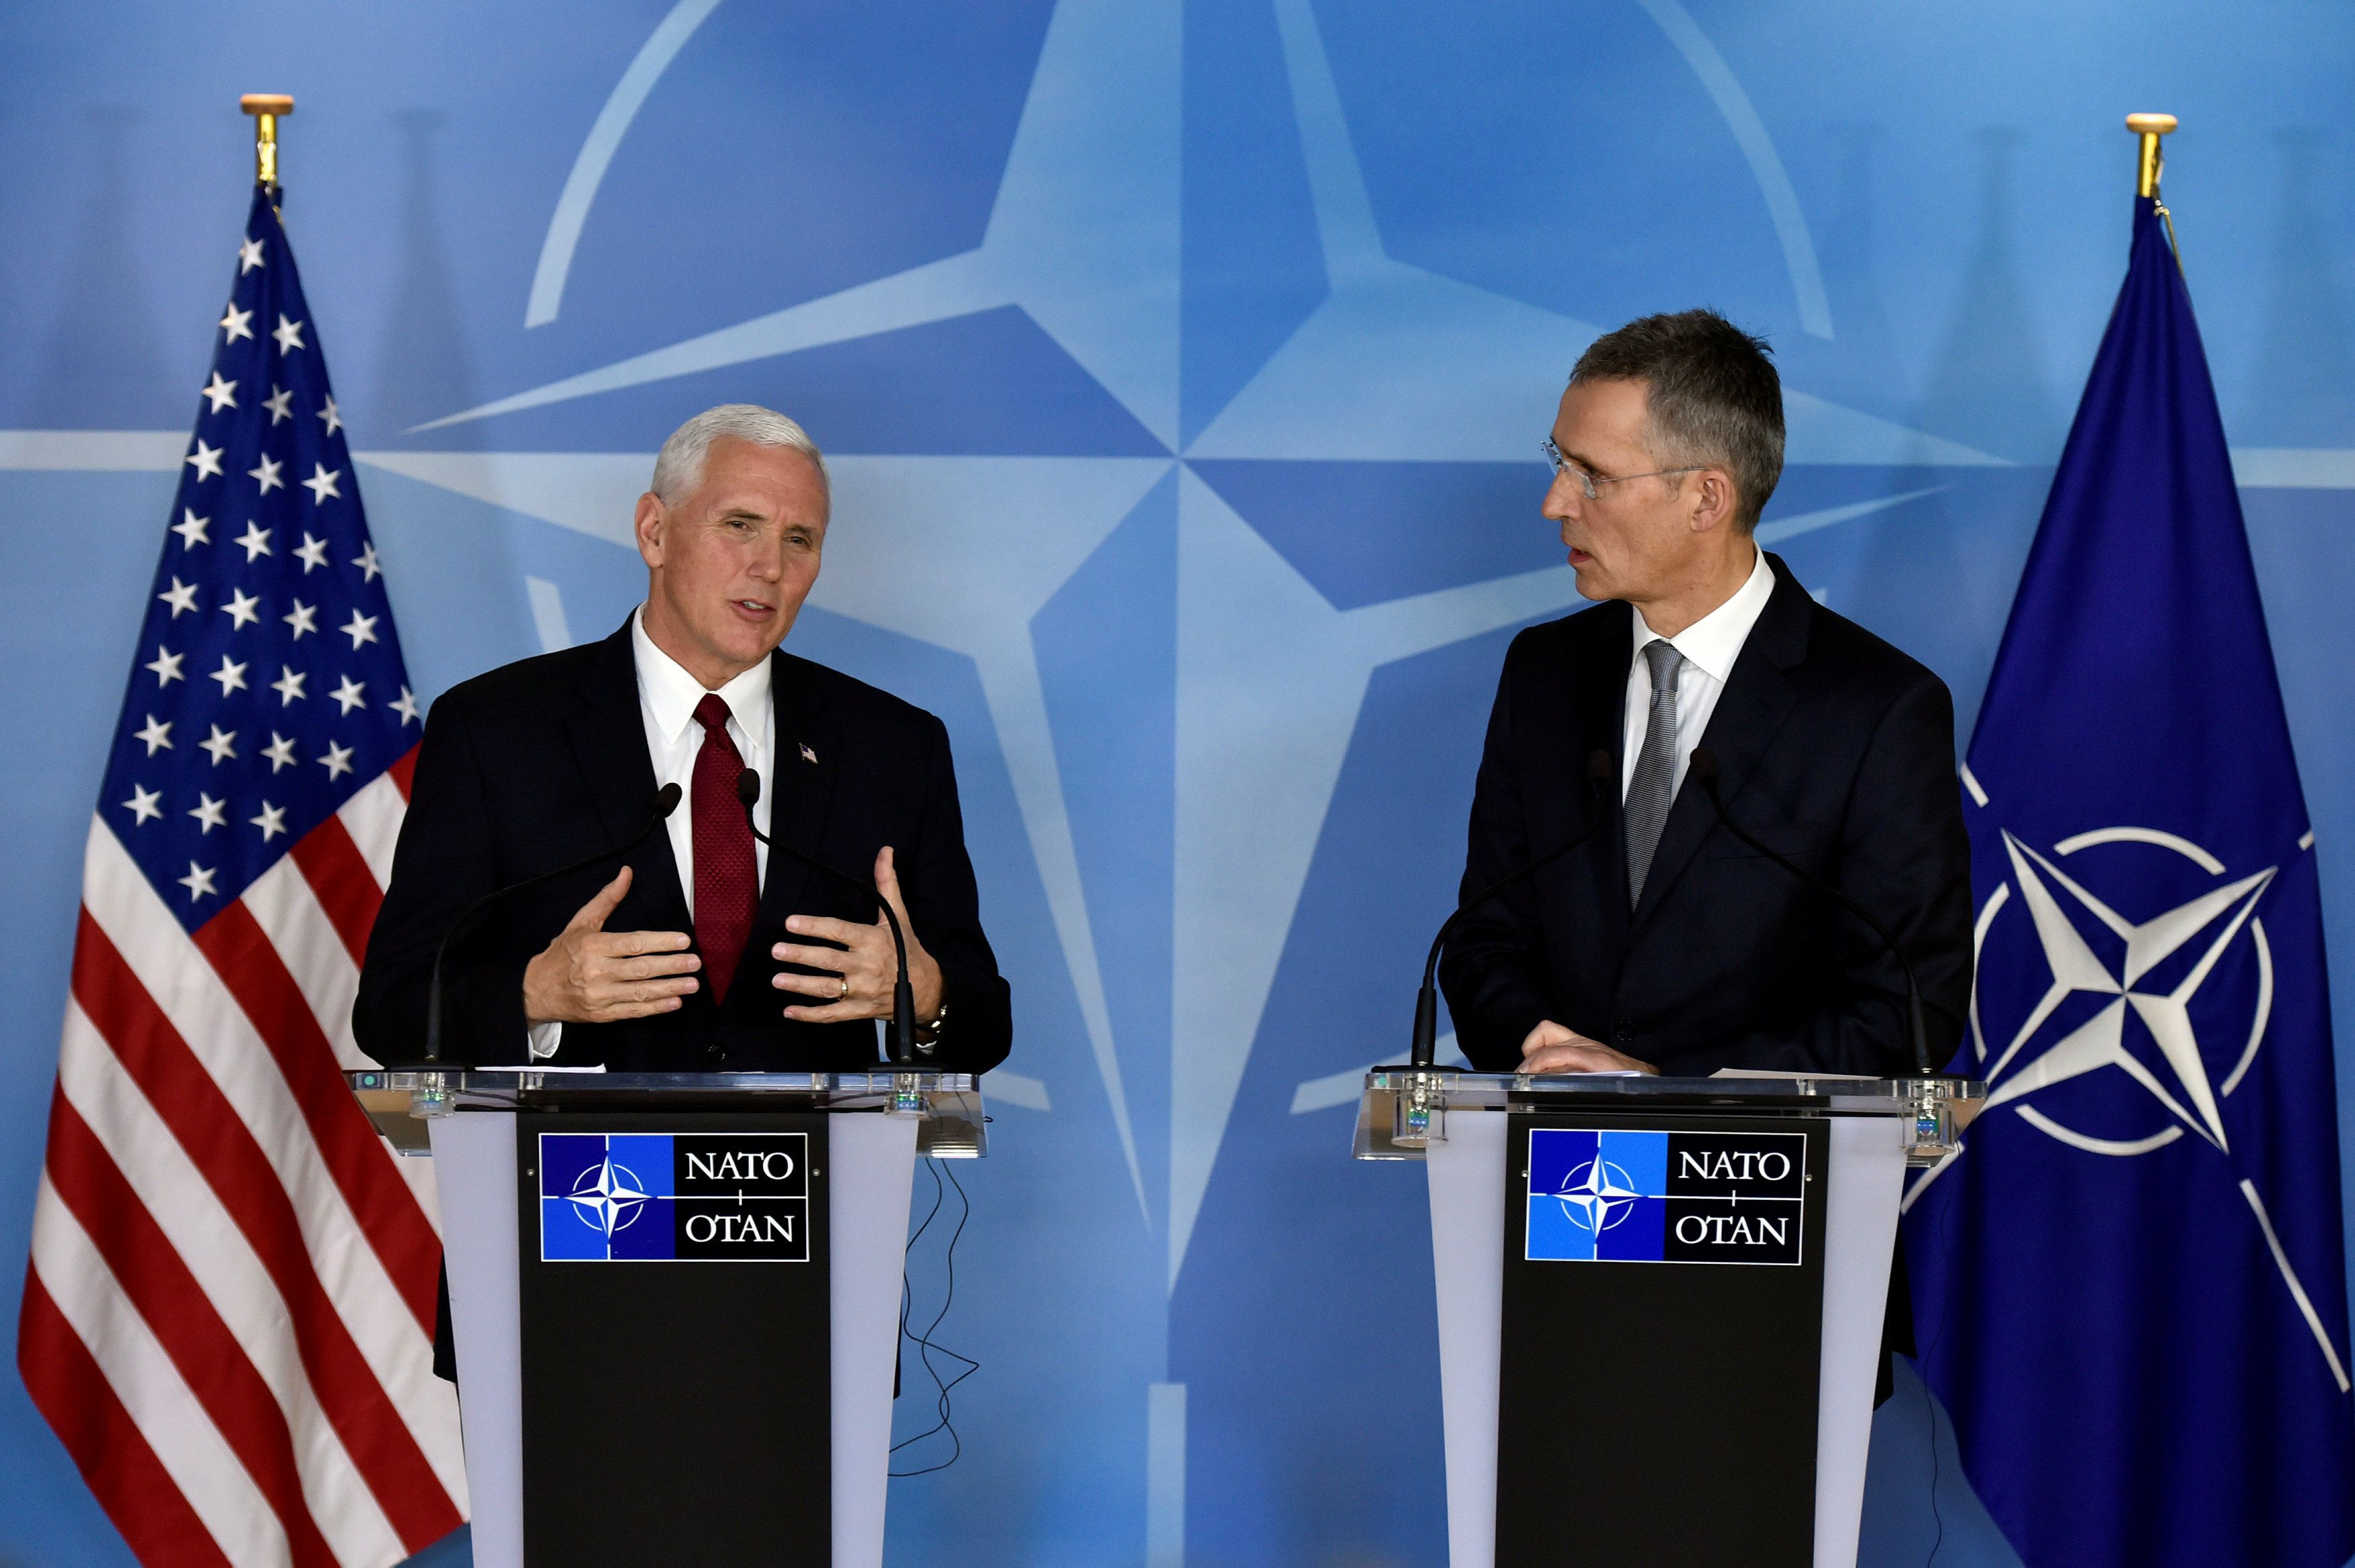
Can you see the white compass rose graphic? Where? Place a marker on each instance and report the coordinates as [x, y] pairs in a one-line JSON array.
[[2029, 1061], [1598, 1196], [609, 1197]]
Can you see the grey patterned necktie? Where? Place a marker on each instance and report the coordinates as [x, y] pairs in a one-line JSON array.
[[1656, 769]]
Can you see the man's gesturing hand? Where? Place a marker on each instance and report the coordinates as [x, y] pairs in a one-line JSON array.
[[1550, 1048], [589, 975], [859, 983]]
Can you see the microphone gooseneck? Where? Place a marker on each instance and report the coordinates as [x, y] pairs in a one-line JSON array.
[[1703, 767], [904, 993], [666, 800], [1426, 1000]]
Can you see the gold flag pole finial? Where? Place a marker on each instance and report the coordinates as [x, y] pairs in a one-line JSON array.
[[2151, 128], [265, 108]]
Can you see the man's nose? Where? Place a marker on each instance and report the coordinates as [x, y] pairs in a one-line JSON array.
[[1562, 500]]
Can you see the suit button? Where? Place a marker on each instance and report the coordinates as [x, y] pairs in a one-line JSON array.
[[1621, 1034], [716, 1050]]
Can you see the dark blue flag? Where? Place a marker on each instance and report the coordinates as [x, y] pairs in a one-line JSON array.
[[2129, 1283]]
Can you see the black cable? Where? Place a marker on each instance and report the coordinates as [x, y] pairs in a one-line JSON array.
[[1922, 1357], [906, 1289], [1929, 1409], [924, 1342]]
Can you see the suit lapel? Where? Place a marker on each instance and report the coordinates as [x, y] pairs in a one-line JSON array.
[[1598, 685], [808, 763], [1758, 696], [1598, 702], [609, 743]]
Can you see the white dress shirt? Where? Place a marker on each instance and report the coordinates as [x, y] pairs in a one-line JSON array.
[[1710, 646], [667, 697]]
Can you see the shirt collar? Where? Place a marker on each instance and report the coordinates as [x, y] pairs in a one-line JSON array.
[[670, 695], [1715, 640]]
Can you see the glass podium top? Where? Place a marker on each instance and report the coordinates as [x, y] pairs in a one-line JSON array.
[[1404, 1110], [948, 1107]]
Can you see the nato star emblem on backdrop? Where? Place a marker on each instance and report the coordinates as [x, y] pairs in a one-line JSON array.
[[662, 1197], [1084, 239]]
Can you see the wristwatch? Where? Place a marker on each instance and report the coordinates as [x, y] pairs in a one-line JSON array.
[[928, 1034]]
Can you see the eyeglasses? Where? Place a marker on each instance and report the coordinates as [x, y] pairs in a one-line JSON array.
[[1587, 482]]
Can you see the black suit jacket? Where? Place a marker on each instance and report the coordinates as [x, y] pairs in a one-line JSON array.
[[544, 762], [1832, 747]]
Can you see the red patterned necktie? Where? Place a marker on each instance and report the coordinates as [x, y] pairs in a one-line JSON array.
[[726, 884]]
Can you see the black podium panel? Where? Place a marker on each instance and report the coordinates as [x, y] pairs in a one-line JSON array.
[[1663, 1308], [677, 1382]]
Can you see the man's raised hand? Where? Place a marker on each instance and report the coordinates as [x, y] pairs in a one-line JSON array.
[[860, 973], [591, 975]]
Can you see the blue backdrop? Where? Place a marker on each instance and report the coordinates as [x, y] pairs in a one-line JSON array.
[[1184, 364]]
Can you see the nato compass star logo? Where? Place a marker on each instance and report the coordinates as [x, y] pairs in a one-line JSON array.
[[609, 1198], [2148, 972], [1599, 1196], [1084, 238], [2178, 1003]]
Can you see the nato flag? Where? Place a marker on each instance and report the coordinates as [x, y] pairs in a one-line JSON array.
[[2129, 1283]]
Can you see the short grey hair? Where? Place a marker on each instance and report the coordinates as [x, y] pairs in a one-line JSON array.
[[679, 467], [1711, 393]]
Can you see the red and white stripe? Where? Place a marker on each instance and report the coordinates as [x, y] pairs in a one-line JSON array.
[[228, 1317]]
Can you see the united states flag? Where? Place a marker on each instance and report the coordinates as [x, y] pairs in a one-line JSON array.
[[229, 1313]]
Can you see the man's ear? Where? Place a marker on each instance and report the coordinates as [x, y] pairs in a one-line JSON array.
[[649, 529], [1713, 501]]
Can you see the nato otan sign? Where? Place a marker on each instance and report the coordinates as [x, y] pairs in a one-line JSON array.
[[1666, 1197], [664, 1197]]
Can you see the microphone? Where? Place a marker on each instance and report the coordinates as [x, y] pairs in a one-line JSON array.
[[903, 994], [1703, 767], [666, 801], [1426, 1001]]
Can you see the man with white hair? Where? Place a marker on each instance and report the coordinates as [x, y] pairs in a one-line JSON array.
[[700, 950]]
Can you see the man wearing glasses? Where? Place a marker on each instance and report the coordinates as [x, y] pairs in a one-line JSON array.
[[1664, 943]]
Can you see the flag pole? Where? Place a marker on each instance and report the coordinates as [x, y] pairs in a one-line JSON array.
[[265, 108], [2152, 163], [2150, 127]]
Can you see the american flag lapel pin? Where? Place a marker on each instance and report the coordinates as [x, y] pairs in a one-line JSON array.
[[808, 754]]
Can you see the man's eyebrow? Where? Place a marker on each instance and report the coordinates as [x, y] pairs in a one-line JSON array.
[[1582, 459], [754, 514]]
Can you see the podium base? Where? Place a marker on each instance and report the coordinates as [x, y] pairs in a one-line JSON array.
[[869, 1181], [1467, 1177]]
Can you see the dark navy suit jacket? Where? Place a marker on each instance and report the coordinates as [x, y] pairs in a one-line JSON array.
[[1832, 747], [544, 762]]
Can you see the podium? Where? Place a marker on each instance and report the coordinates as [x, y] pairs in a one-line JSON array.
[[674, 1300], [1660, 1304]]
